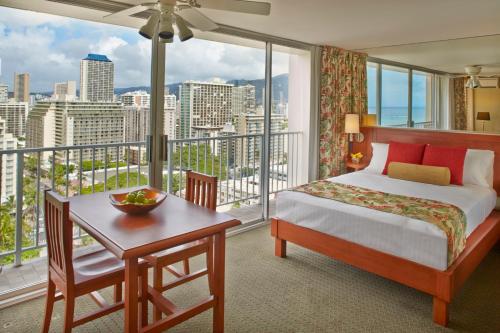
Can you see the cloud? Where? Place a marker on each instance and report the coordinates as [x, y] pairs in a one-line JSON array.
[[50, 49]]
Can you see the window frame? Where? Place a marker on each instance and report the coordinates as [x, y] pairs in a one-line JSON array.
[[410, 69]]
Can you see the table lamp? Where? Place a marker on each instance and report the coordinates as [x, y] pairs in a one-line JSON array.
[[351, 127], [484, 116]]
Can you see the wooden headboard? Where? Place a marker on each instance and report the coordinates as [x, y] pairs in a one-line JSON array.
[[442, 138]]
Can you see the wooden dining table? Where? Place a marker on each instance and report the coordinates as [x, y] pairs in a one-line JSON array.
[[130, 237]]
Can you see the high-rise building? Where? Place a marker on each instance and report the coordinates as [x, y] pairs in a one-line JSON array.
[[136, 123], [136, 98], [4, 93], [65, 91], [14, 114], [73, 123], [22, 87], [8, 163], [96, 79], [206, 105], [243, 99], [253, 123], [170, 116]]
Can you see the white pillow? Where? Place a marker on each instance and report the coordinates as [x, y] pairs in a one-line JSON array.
[[478, 167], [379, 157]]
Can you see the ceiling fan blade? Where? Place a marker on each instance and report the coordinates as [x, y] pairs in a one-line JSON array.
[[131, 11], [196, 18], [241, 6]]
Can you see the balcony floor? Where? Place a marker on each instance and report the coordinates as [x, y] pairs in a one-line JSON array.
[[35, 271]]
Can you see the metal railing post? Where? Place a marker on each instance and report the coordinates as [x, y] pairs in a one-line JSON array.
[[170, 167], [19, 209]]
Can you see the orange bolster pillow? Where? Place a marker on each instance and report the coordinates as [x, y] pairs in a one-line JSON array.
[[420, 173]]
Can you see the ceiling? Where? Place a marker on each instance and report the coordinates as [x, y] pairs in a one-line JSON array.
[[393, 29], [447, 56]]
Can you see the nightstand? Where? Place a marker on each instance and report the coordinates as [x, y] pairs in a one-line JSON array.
[[351, 166]]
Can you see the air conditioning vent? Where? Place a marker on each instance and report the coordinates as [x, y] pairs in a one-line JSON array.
[[103, 5]]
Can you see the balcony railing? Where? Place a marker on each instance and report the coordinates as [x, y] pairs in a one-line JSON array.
[[423, 124], [79, 170]]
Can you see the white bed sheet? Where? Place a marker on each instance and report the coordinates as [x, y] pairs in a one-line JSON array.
[[404, 237]]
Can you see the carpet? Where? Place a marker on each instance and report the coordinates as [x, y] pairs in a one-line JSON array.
[[306, 292]]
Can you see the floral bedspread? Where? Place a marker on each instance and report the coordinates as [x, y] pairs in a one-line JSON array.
[[446, 217]]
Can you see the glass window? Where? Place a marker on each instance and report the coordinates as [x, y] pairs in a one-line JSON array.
[[422, 110], [289, 121], [371, 76], [394, 110]]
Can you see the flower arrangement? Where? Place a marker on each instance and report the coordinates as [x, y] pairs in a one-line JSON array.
[[356, 157]]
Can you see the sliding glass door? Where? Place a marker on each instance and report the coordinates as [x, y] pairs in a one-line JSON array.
[[215, 117]]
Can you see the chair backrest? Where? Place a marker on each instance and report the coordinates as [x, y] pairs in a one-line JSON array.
[[201, 189], [59, 233]]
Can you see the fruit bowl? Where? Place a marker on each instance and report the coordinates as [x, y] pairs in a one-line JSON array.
[[137, 202]]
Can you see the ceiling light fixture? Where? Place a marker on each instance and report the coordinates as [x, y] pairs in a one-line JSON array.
[[164, 18], [166, 30], [473, 82], [148, 29], [184, 32]]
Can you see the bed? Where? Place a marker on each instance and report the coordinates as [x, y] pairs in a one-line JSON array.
[[403, 249]]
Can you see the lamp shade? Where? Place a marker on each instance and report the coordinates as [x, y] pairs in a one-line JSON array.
[[351, 123], [483, 116], [184, 32], [148, 29]]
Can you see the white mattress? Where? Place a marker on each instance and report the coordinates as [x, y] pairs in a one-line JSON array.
[[412, 239]]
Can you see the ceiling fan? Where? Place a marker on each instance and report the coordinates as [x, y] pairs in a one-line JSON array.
[[179, 12], [473, 73]]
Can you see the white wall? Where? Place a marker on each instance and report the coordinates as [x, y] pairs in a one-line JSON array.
[[299, 91]]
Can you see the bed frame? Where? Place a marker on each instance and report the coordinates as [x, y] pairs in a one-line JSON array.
[[442, 285]]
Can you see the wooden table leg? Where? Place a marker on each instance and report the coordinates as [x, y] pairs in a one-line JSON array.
[[218, 286], [131, 290]]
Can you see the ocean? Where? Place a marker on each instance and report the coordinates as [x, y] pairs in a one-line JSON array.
[[399, 115]]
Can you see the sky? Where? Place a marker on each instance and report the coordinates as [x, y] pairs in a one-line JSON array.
[[50, 49], [395, 89]]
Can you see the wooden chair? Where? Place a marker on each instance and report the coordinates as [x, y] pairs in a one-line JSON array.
[[81, 275], [201, 190]]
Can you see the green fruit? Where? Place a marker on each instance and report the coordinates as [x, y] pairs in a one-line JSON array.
[[140, 198], [131, 197], [150, 201]]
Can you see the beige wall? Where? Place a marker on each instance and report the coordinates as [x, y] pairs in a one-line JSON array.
[[487, 100]]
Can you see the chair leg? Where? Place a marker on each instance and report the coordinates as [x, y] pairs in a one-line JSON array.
[[118, 293], [69, 312], [210, 265], [157, 284], [186, 266], [144, 297], [49, 305]]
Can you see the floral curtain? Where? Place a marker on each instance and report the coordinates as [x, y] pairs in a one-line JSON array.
[[343, 91], [459, 103]]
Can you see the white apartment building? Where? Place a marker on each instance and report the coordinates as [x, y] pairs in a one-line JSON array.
[[74, 123], [136, 98], [96, 79], [4, 93], [65, 91], [8, 163], [135, 124], [171, 116], [14, 114], [253, 123], [243, 99], [204, 104]]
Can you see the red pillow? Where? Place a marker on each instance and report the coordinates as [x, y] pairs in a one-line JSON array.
[[405, 153], [451, 157]]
